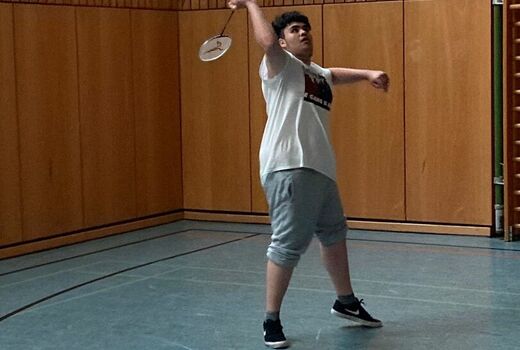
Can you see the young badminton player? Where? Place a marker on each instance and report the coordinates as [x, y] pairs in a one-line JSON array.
[[297, 163]]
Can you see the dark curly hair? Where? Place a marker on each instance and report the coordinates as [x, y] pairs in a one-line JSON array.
[[285, 19]]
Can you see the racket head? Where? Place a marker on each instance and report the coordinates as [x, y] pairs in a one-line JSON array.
[[214, 48]]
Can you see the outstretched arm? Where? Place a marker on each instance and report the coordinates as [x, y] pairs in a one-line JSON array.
[[264, 35], [378, 79]]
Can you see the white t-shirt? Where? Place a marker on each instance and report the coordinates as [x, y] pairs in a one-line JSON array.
[[296, 135]]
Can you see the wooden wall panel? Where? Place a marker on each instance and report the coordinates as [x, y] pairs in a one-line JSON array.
[[47, 92], [10, 198], [258, 113], [215, 115], [179, 4], [448, 111], [157, 111], [368, 124], [107, 115]]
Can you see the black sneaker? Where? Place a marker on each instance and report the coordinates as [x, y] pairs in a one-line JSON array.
[[273, 335], [355, 312]]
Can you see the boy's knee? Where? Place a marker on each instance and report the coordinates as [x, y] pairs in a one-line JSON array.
[[283, 257]]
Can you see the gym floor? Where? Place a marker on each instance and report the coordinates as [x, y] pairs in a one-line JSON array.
[[200, 285]]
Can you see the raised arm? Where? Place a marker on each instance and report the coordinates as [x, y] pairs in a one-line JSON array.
[[264, 35], [378, 79]]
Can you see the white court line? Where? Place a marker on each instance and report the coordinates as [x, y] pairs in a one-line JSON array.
[[442, 302], [168, 342], [92, 293], [122, 262], [318, 336], [415, 285], [364, 294], [47, 275], [262, 286]]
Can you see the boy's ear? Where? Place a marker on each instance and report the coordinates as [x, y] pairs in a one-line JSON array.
[[282, 42]]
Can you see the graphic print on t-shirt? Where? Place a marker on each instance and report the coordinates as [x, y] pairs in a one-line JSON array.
[[317, 90]]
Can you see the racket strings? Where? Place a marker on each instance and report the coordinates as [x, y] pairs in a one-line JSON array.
[[216, 46]]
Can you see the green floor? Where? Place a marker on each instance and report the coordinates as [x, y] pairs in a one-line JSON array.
[[196, 285]]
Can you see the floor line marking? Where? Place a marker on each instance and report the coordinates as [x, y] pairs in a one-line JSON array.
[[102, 290], [63, 291], [296, 275], [364, 294]]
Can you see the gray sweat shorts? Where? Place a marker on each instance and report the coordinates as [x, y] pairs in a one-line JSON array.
[[302, 203]]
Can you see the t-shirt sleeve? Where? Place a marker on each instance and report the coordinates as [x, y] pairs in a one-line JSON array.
[[328, 75], [263, 69]]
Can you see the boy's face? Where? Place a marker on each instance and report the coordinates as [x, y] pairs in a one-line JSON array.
[[297, 39]]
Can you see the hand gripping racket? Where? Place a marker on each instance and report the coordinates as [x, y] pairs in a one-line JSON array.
[[215, 47]]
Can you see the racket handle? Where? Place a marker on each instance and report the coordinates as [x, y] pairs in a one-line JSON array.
[[227, 22]]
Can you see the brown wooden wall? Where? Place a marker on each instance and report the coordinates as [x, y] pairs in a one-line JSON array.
[[367, 124], [10, 189], [90, 118], [92, 96], [180, 5], [215, 110], [419, 154], [48, 117], [448, 111]]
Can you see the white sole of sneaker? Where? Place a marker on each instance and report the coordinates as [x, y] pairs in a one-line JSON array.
[[357, 320], [277, 345]]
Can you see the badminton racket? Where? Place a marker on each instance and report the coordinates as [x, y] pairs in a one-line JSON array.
[[215, 47]]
